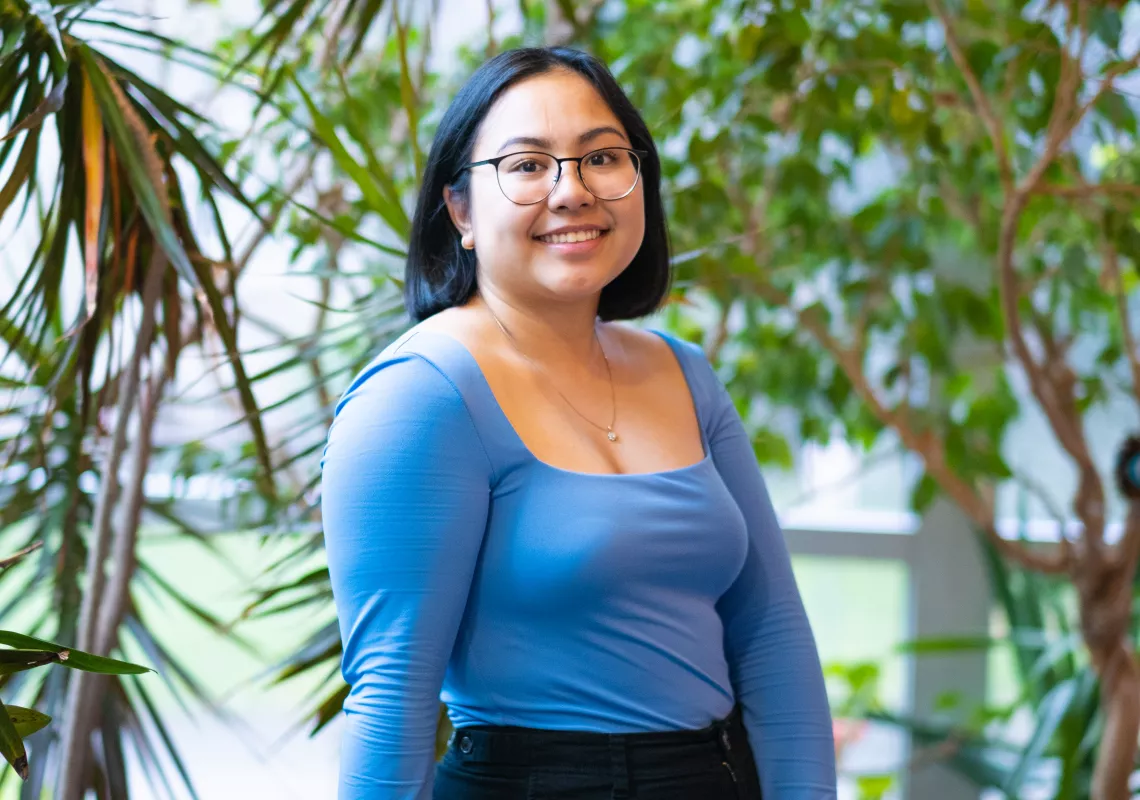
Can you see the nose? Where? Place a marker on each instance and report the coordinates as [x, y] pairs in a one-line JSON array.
[[569, 192]]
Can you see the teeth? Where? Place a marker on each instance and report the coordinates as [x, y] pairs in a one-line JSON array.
[[567, 238]]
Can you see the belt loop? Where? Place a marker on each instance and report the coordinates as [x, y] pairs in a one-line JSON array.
[[619, 762]]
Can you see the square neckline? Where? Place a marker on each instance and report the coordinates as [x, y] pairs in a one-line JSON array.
[[485, 386]]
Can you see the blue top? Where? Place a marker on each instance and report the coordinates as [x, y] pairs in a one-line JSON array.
[[466, 570]]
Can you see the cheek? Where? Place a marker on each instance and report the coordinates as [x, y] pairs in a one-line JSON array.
[[630, 218], [499, 220]]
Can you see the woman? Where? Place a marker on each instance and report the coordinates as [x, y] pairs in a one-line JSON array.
[[553, 522]]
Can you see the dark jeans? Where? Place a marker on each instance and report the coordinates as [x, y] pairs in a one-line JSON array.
[[488, 762]]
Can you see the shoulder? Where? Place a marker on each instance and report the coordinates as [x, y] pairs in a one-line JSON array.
[[659, 350], [415, 368], [404, 405], [399, 379]]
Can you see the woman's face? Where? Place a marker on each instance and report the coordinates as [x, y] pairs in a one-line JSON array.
[[562, 114]]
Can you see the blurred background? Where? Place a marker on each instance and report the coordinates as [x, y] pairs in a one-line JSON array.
[[906, 232]]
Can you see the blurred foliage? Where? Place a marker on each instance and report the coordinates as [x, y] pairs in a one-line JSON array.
[[22, 653], [837, 207], [100, 163], [835, 204]]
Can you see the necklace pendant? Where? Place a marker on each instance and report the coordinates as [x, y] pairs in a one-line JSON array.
[[611, 436]]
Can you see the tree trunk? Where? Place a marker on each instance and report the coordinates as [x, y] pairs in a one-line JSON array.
[[1105, 593], [80, 706], [1120, 701]]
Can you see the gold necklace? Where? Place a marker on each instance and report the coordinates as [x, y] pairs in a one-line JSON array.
[[609, 430]]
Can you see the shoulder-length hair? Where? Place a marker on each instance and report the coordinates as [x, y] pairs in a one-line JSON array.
[[440, 273]]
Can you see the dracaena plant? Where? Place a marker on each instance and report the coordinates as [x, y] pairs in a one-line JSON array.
[[78, 375]]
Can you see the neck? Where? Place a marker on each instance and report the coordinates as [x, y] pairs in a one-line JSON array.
[[553, 336]]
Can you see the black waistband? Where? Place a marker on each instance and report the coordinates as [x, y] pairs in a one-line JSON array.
[[519, 744]]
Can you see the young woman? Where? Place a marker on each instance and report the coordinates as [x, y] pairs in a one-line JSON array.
[[551, 521]]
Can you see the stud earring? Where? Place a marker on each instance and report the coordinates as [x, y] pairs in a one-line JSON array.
[[467, 245]]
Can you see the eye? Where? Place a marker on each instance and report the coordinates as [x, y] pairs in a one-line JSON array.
[[602, 158], [528, 166]]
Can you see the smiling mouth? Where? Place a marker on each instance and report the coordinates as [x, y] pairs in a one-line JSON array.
[[571, 238]]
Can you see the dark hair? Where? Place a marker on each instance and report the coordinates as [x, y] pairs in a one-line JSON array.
[[441, 274]]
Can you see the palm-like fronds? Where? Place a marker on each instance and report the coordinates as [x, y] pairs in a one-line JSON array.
[[344, 26], [125, 149]]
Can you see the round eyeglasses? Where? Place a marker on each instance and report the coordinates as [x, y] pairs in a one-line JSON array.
[[529, 177]]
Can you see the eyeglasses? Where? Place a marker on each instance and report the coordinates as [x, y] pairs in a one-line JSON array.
[[529, 177]]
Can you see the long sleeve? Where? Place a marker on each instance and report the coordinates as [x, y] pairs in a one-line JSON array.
[[773, 661], [405, 493]]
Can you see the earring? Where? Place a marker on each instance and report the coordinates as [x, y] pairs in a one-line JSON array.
[[467, 245]]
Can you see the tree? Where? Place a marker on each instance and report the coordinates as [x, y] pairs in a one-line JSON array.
[[125, 151], [911, 223], [987, 272]]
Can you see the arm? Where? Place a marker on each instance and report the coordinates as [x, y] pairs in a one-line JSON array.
[[771, 652], [405, 490]]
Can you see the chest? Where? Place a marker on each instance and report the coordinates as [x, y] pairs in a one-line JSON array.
[[560, 543], [561, 414]]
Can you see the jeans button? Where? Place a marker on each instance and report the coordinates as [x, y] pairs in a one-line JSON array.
[[465, 744]]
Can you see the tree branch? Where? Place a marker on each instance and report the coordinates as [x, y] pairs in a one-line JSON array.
[[924, 443], [1058, 405], [1132, 352], [1127, 552], [985, 110], [1108, 80], [1062, 122], [1087, 189], [1054, 394], [123, 553], [77, 725], [89, 686]]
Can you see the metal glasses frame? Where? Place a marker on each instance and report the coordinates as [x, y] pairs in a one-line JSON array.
[[641, 154]]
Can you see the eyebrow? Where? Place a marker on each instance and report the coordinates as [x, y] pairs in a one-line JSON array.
[[588, 136]]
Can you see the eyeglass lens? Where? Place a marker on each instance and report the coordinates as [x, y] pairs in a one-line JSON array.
[[527, 178]]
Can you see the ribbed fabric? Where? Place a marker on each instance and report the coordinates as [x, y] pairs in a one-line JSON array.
[[465, 569]]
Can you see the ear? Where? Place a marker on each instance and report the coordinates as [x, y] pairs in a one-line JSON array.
[[457, 209]]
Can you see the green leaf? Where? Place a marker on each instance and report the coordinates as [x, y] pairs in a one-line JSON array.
[[329, 708], [874, 787], [369, 11], [76, 659], [46, 15], [23, 169], [924, 493], [1107, 25], [18, 660], [771, 447], [27, 720], [1115, 109], [51, 104], [949, 644], [1050, 712], [12, 745], [369, 186]]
